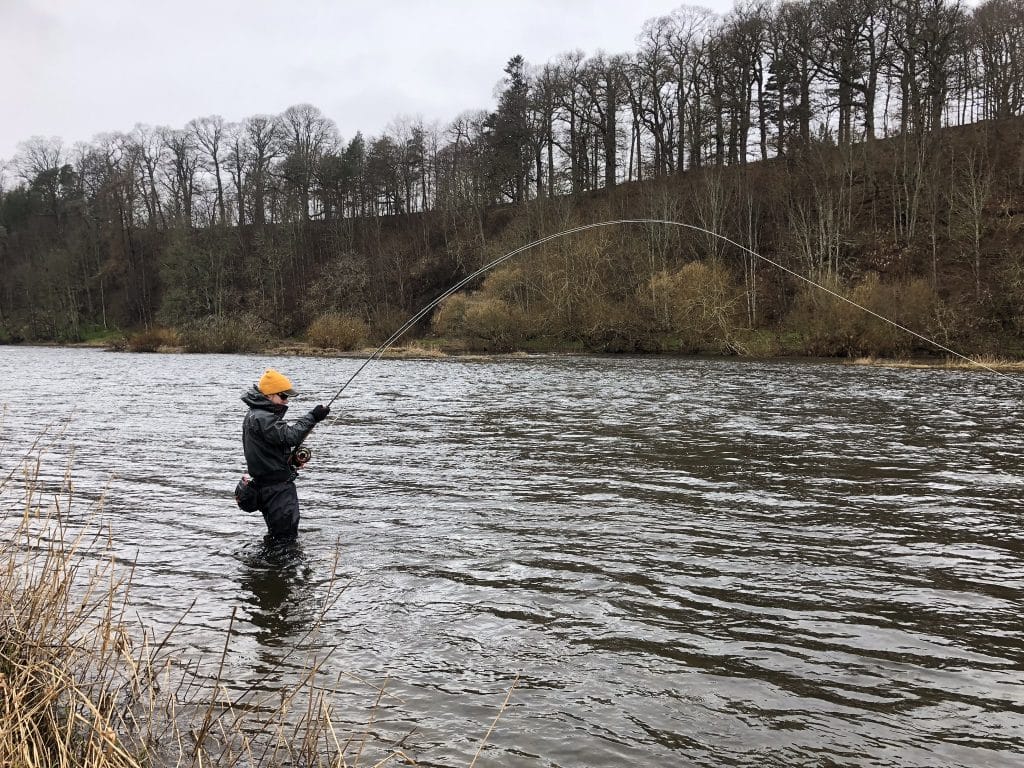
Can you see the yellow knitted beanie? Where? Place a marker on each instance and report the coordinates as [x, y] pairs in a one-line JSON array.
[[274, 383]]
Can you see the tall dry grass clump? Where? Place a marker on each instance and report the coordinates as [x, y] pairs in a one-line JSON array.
[[83, 684], [697, 304], [487, 323], [224, 334], [337, 331], [153, 339], [829, 326], [68, 665]]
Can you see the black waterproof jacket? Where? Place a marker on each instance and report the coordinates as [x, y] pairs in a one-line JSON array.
[[268, 440]]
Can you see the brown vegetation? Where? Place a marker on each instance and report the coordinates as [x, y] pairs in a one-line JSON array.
[[225, 333], [153, 339], [83, 685], [337, 332]]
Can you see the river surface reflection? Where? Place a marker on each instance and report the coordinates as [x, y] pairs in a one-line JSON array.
[[688, 562]]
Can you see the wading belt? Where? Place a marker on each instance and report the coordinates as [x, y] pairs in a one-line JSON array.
[[281, 476]]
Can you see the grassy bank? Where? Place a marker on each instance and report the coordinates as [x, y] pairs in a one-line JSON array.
[[982, 363], [740, 344]]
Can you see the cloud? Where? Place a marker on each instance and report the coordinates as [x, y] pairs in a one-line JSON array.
[[92, 67]]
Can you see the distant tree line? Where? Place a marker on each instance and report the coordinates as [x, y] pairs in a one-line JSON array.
[[105, 232]]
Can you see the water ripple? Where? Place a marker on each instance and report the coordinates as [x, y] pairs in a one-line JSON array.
[[705, 563]]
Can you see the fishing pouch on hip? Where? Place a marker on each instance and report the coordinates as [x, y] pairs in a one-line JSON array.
[[246, 495]]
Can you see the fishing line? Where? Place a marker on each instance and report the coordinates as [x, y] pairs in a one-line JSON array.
[[582, 228]]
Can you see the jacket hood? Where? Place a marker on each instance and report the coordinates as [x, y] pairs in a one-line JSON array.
[[256, 399]]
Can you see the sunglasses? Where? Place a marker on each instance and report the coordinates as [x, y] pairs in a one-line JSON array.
[[282, 395]]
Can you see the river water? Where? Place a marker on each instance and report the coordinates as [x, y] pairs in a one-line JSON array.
[[687, 562]]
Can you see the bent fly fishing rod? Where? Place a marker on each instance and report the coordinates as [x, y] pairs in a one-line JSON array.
[[616, 222]]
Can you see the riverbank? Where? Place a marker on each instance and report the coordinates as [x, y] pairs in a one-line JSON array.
[[950, 363], [436, 349]]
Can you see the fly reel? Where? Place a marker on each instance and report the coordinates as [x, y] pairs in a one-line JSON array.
[[300, 456]]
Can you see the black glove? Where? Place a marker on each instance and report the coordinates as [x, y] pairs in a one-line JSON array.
[[320, 412]]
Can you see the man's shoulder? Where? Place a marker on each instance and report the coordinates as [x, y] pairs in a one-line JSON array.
[[261, 416]]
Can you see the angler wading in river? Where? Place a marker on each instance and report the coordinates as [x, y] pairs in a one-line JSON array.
[[271, 451]]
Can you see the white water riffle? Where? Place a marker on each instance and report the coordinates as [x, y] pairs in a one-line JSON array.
[[688, 562]]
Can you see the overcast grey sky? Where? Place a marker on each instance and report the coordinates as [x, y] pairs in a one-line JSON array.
[[76, 68]]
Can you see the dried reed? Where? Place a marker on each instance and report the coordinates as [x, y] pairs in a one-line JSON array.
[[83, 684]]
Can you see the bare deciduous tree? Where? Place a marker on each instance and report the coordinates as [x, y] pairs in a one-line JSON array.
[[262, 134], [180, 173], [209, 133], [998, 35], [305, 136], [971, 190]]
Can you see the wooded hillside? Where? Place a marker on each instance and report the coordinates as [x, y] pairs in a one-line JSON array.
[[874, 146]]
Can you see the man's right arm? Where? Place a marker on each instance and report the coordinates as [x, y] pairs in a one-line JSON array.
[[280, 433]]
